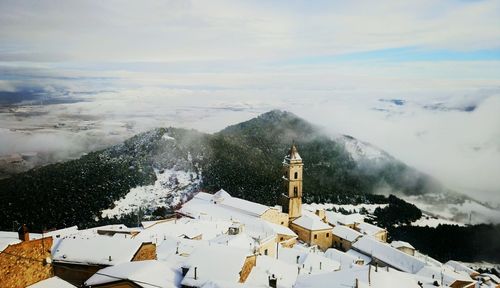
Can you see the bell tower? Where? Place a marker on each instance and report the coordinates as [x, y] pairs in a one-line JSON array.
[[291, 199]]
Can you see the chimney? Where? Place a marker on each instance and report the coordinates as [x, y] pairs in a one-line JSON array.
[[195, 273], [321, 214], [23, 232], [273, 282]]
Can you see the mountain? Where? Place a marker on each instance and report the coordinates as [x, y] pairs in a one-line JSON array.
[[161, 168]]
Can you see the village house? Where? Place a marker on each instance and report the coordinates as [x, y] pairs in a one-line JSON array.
[[26, 261], [147, 273], [343, 237], [75, 259], [404, 247], [383, 254], [372, 230]]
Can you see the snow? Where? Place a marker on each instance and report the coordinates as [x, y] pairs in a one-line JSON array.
[[183, 227], [346, 233], [171, 188], [460, 267], [147, 274], [171, 246], [366, 259], [8, 238], [360, 150], [401, 244], [311, 221], [208, 264], [345, 260], [309, 262], [387, 254], [202, 207], [370, 208], [432, 221], [167, 137], [241, 241], [101, 250], [467, 212], [369, 229], [445, 273], [335, 218], [266, 267], [51, 283], [365, 275], [245, 206]]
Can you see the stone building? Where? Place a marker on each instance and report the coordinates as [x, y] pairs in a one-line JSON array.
[[310, 227], [27, 262]]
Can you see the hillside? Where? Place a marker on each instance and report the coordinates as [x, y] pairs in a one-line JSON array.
[[244, 159]]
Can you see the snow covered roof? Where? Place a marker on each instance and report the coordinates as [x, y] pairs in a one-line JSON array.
[[311, 221], [400, 244], [458, 266], [369, 229], [177, 246], [51, 283], [207, 210], [222, 199], [446, 272], [347, 278], [245, 206], [336, 218], [308, 262], [345, 260], [366, 259], [346, 233], [8, 238], [266, 266], [280, 229], [96, 250], [242, 241], [147, 274], [293, 155], [390, 255], [221, 195], [183, 227], [217, 263]]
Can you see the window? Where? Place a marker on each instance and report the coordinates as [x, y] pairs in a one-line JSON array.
[[327, 235], [265, 252], [281, 239], [295, 191], [282, 223], [296, 175], [316, 236]]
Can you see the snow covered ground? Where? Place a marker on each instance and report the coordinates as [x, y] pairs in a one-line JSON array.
[[433, 221], [370, 208], [467, 212], [171, 188]]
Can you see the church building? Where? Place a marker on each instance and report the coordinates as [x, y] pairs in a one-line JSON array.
[[309, 227]]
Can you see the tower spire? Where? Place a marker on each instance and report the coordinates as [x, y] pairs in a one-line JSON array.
[[292, 183]]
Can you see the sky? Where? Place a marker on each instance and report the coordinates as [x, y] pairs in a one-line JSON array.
[[419, 79]]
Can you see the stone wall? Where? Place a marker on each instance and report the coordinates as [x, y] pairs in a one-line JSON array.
[[24, 264]]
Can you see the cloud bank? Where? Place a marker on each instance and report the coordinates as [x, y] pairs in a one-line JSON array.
[[420, 79]]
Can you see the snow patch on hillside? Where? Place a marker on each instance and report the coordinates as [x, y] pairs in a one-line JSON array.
[[370, 208], [171, 188], [466, 212], [360, 150]]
